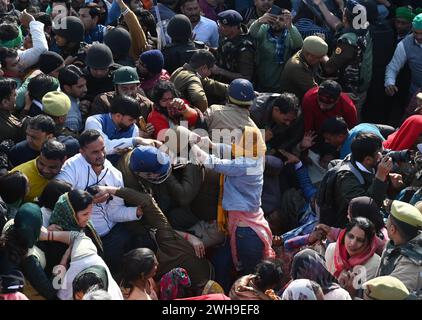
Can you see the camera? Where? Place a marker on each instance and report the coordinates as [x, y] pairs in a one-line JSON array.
[[81, 54], [93, 190], [399, 156]]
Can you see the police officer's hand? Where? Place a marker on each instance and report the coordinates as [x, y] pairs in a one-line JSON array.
[[391, 90], [384, 168]]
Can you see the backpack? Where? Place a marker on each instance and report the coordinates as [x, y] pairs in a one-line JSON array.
[[325, 199]]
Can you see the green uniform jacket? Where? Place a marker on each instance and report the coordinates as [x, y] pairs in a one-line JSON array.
[[403, 262], [268, 70], [195, 89], [298, 76]]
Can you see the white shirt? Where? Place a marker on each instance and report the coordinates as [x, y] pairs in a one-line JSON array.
[[111, 145], [206, 30], [362, 168], [29, 57], [397, 62], [79, 173]]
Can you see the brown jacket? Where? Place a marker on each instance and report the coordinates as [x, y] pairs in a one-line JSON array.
[[173, 250], [195, 89], [227, 116], [102, 103], [298, 76]]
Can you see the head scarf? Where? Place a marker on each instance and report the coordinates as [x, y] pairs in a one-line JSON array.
[[406, 136], [173, 283], [342, 261], [99, 271], [64, 216], [309, 264], [300, 289], [28, 222], [13, 43]]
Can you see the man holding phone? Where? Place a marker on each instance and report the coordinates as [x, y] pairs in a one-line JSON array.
[[276, 41]]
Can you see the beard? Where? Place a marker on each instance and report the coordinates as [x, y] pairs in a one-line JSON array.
[[194, 18]]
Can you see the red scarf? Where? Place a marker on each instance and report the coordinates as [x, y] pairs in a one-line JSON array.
[[405, 137], [342, 260]]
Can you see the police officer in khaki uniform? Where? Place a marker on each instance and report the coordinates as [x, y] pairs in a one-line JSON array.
[[193, 83], [402, 257], [385, 288], [236, 51]]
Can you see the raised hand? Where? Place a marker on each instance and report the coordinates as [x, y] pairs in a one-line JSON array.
[[308, 140]]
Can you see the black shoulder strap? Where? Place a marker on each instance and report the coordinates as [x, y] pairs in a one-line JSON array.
[[348, 166]]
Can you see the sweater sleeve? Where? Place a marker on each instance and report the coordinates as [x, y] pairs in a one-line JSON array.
[[30, 56], [36, 276], [139, 40]]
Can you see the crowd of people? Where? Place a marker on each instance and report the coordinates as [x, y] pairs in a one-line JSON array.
[[210, 150]]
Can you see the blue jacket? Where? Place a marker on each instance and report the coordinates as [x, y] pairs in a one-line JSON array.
[[243, 181], [96, 34], [363, 127]]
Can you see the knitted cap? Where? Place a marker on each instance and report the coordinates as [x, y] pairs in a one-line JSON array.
[[153, 60], [49, 61], [230, 18], [99, 56]]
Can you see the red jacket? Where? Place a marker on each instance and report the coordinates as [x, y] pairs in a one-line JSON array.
[[314, 117]]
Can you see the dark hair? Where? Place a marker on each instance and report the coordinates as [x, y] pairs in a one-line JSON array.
[[365, 145], [364, 224], [406, 231], [126, 105], [87, 137], [14, 246], [269, 274], [8, 31], [7, 86], [287, 102], [146, 19], [334, 125], [87, 281], [13, 186], [367, 207], [182, 2], [53, 150], [161, 88], [6, 53], [94, 9], [202, 57], [42, 123], [79, 199], [40, 85], [325, 149], [136, 263], [44, 18], [52, 192], [69, 75]]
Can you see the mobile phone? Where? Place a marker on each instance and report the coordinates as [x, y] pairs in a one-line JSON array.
[[142, 123]]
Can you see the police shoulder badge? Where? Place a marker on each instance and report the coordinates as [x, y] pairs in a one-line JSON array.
[[338, 50]]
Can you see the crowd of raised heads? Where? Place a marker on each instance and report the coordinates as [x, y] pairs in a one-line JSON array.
[[210, 149]]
